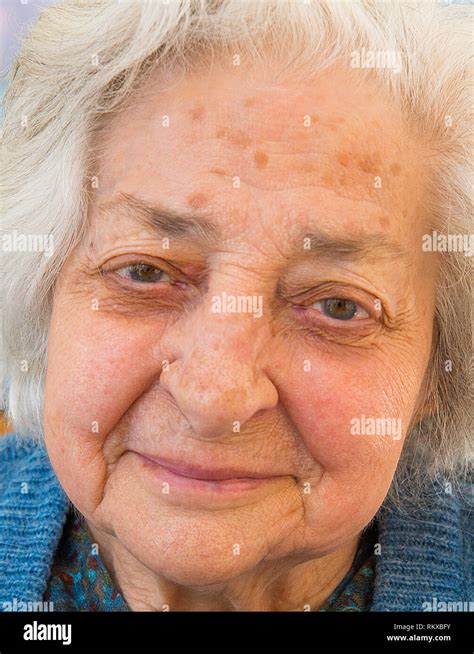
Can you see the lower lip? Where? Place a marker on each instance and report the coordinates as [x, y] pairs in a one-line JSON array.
[[177, 481]]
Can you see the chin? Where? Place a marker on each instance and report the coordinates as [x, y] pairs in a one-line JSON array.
[[193, 568], [193, 555]]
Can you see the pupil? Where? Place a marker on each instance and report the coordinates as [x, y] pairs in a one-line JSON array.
[[340, 309]]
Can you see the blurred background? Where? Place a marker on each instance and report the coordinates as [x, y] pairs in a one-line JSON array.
[[15, 18]]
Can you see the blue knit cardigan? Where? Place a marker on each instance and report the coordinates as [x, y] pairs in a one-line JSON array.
[[425, 552]]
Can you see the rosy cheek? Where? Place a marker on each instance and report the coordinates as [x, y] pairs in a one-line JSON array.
[[327, 401], [99, 377]]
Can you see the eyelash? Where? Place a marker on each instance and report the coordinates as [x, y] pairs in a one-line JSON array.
[[308, 310]]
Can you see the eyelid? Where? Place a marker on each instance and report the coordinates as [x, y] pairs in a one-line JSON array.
[[181, 271], [125, 260], [113, 275]]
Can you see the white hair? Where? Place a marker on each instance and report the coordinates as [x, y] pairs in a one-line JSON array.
[[84, 58]]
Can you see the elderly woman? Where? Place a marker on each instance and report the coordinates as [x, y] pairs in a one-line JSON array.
[[236, 322]]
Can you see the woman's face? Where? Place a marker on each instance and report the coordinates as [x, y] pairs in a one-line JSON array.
[[251, 301]]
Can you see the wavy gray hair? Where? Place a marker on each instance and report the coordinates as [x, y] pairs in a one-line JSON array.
[[83, 59]]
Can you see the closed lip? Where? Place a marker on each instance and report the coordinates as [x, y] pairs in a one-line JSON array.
[[195, 471]]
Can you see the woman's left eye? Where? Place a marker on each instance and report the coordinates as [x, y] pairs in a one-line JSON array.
[[340, 309], [144, 273]]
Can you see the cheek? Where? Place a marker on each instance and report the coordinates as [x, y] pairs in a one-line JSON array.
[[357, 468], [331, 405], [96, 370]]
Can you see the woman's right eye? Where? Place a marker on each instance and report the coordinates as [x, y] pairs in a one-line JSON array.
[[144, 273]]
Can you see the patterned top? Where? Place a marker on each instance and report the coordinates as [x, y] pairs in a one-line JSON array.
[[355, 591], [79, 580]]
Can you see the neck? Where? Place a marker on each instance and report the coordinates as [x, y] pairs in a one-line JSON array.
[[282, 585]]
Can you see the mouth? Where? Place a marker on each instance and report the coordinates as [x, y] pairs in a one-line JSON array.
[[185, 476]]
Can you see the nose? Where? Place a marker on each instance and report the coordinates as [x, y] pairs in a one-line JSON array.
[[217, 376]]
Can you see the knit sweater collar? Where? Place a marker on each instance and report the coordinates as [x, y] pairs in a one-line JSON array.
[[422, 555], [33, 509]]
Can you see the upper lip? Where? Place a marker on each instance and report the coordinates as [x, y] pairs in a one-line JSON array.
[[196, 471]]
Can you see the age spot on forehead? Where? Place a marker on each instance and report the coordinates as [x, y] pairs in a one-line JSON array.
[[236, 137], [197, 113], [196, 200], [343, 158], [370, 163], [342, 179], [333, 127], [395, 169], [261, 159]]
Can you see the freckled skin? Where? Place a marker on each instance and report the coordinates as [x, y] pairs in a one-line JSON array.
[[197, 200], [370, 163], [217, 171], [105, 366], [261, 159], [395, 169], [343, 158], [197, 113], [235, 137]]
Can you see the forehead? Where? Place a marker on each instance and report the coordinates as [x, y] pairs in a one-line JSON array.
[[228, 138]]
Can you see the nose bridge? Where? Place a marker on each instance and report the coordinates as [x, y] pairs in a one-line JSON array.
[[231, 324], [229, 335], [218, 379]]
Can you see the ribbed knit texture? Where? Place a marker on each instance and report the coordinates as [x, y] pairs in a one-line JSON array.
[[426, 554], [33, 510]]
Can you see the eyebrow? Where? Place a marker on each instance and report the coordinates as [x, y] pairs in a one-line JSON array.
[[190, 226], [163, 220], [376, 246]]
